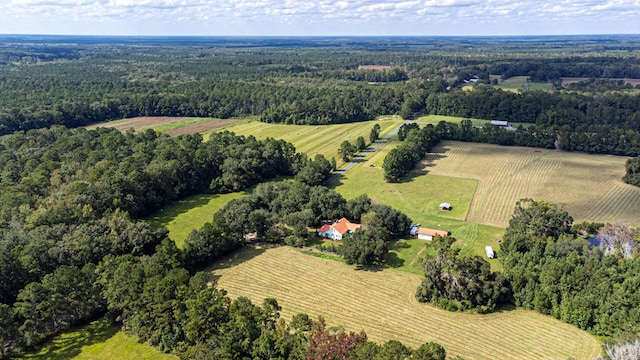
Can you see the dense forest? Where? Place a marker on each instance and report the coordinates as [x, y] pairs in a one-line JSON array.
[[73, 248], [72, 200], [319, 82]]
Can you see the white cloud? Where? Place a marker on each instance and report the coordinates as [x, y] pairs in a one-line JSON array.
[[321, 17]]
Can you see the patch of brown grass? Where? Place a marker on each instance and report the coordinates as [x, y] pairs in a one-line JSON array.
[[173, 126], [590, 187], [203, 127], [135, 123]]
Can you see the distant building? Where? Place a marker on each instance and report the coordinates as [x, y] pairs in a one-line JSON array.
[[503, 124], [338, 229], [489, 250], [429, 234], [499, 123], [472, 80]]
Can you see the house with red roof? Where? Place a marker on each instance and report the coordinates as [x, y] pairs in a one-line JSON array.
[[338, 229]]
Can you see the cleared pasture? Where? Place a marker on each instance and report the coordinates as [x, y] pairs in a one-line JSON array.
[[96, 341], [189, 214], [383, 304], [588, 186], [516, 83], [320, 139]]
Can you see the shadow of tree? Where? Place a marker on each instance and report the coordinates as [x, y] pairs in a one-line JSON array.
[[237, 257], [70, 344], [400, 244], [394, 261], [165, 216]]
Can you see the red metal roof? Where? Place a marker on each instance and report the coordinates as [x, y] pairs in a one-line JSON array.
[[433, 232]]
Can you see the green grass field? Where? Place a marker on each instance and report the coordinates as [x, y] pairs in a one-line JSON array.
[[516, 83], [96, 341], [191, 213], [311, 139], [383, 304], [434, 119]]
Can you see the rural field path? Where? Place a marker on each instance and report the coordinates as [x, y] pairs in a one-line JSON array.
[[362, 155]]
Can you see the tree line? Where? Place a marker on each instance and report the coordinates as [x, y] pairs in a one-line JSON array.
[[314, 86], [402, 159], [417, 142], [632, 172], [548, 266]]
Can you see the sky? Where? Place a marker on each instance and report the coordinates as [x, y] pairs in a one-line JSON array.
[[320, 17]]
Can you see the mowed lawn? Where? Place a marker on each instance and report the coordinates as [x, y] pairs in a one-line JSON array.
[[189, 214], [97, 341], [383, 304], [321, 139], [588, 186]]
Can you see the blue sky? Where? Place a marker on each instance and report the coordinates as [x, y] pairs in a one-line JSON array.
[[321, 17]]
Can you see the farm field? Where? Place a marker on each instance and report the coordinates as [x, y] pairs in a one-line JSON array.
[[588, 186], [312, 139], [383, 304], [166, 124], [191, 213], [97, 341], [516, 83]]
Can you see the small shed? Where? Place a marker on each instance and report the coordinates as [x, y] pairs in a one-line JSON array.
[[429, 234], [445, 206], [489, 250]]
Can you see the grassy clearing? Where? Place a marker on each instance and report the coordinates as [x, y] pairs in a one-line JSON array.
[[516, 83], [588, 186], [383, 304], [96, 341], [311, 139], [434, 119], [191, 213], [405, 255]]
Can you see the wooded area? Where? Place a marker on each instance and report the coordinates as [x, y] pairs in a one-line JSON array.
[[78, 84], [72, 247]]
